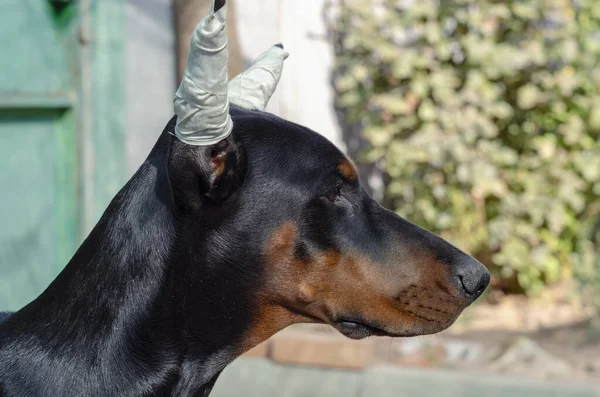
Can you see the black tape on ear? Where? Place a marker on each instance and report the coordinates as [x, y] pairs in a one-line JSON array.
[[219, 4]]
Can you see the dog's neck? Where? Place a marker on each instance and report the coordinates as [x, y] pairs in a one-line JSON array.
[[122, 318]]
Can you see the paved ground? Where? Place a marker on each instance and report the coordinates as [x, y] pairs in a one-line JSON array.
[[258, 377]]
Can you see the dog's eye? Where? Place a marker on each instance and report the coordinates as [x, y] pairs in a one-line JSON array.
[[335, 193]]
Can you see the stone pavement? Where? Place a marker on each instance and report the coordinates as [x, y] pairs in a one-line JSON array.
[[261, 377], [323, 347]]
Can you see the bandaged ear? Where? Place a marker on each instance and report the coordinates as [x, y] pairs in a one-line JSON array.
[[202, 100], [253, 88]]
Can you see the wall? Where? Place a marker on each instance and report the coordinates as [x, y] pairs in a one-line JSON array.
[[151, 81], [304, 95]]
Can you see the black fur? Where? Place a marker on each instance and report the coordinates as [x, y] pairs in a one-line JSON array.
[[158, 296], [4, 316]]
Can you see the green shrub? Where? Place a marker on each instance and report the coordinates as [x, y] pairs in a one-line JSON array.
[[485, 115], [587, 269]]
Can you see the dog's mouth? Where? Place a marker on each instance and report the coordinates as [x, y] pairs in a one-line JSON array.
[[358, 329]]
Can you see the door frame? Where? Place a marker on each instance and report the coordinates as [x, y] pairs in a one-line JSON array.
[[102, 115]]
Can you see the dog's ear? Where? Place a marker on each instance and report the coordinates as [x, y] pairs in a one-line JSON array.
[[205, 173]]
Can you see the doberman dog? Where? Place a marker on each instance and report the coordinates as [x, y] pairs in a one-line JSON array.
[[210, 249], [207, 251]]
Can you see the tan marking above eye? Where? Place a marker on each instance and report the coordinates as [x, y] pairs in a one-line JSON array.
[[348, 170]]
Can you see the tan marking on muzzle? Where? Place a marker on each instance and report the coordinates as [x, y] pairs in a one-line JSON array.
[[330, 284]]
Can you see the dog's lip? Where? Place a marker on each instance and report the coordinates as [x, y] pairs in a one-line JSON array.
[[357, 327], [353, 327]]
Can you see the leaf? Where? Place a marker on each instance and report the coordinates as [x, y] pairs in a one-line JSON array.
[[528, 96]]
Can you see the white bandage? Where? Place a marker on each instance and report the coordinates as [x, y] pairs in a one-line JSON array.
[[201, 101], [253, 88]]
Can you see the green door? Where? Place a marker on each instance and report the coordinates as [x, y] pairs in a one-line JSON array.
[[38, 148]]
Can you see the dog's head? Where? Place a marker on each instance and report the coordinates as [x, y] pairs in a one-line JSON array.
[[276, 216], [282, 214]]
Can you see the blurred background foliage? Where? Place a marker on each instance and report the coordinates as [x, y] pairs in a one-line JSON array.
[[485, 117]]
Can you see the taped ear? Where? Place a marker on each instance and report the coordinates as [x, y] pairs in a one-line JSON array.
[[253, 88], [201, 102], [205, 162]]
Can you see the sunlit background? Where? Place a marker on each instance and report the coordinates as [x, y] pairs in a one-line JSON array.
[[477, 119]]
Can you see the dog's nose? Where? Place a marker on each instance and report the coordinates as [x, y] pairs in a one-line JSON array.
[[471, 278]]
